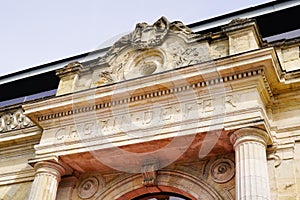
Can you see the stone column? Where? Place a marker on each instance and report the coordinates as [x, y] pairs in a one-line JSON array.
[[252, 182], [46, 180]]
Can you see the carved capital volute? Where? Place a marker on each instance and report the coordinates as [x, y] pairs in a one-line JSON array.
[[248, 135], [49, 168]]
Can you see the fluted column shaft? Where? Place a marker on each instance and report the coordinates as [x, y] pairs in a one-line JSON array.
[[252, 182], [46, 180]]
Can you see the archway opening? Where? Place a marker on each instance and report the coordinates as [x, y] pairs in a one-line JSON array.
[[159, 192], [161, 196], [172, 183]]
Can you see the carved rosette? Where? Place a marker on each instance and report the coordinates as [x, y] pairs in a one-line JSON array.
[[144, 63], [88, 187], [222, 170], [13, 120]]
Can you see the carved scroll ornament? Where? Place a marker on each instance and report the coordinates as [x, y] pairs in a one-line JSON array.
[[13, 120]]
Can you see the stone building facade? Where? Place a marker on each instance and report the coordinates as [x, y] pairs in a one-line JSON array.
[[165, 113]]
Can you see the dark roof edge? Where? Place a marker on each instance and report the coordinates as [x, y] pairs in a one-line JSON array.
[[51, 66], [251, 12]]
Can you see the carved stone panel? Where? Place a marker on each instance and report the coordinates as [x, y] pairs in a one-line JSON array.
[[13, 120]]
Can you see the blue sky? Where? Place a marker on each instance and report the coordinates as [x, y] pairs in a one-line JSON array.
[[36, 32]]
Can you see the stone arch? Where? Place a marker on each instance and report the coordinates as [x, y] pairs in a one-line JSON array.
[[167, 181]]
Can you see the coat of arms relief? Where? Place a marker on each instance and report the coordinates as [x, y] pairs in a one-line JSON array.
[[151, 49]]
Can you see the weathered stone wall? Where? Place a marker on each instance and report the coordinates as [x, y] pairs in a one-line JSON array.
[[18, 191], [289, 56], [284, 163], [18, 135], [284, 172]]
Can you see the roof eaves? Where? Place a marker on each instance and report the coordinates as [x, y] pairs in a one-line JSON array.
[[251, 12]]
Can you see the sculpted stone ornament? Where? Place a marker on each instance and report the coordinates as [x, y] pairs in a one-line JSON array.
[[151, 49], [238, 21], [105, 78], [13, 120], [222, 170], [88, 187], [148, 36], [149, 173], [143, 37]]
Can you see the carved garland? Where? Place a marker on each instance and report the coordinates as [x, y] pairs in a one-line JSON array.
[[158, 93]]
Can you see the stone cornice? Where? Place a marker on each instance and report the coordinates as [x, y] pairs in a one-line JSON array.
[[203, 76], [159, 93]]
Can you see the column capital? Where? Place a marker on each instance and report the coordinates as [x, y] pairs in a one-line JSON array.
[[249, 134], [48, 167]]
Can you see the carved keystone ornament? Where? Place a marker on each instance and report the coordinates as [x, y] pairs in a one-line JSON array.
[[149, 173]]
